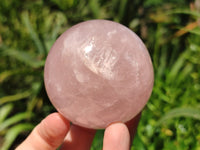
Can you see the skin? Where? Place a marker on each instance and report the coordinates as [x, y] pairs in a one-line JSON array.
[[55, 130]]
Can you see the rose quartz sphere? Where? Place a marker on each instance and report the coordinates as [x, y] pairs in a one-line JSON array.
[[98, 72]]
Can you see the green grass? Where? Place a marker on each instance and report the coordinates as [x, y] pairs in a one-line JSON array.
[[170, 120]]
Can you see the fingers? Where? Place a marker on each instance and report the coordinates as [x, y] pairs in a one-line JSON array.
[[48, 135], [119, 136], [132, 125], [116, 137], [78, 138]]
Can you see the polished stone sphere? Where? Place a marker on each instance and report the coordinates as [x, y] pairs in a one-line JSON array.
[[98, 72]]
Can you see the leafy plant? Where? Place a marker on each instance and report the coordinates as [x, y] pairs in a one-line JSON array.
[[11, 127], [170, 31]]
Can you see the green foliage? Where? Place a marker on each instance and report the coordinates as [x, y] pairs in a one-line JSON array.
[[13, 132], [11, 126], [171, 32]]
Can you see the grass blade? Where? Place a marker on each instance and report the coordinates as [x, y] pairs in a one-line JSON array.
[[176, 67], [122, 9], [4, 75], [181, 112], [15, 97], [185, 11], [4, 111], [195, 31], [138, 144], [98, 140], [94, 6], [13, 133], [33, 34], [8, 73], [186, 71], [14, 119], [24, 57]]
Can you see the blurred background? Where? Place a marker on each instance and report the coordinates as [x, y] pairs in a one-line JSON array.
[[171, 31]]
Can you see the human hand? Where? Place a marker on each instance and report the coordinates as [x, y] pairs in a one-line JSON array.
[[52, 131]]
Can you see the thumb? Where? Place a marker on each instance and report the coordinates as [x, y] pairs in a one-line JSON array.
[[48, 135], [116, 137]]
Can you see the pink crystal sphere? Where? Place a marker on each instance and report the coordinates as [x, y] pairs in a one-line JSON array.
[[98, 72]]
